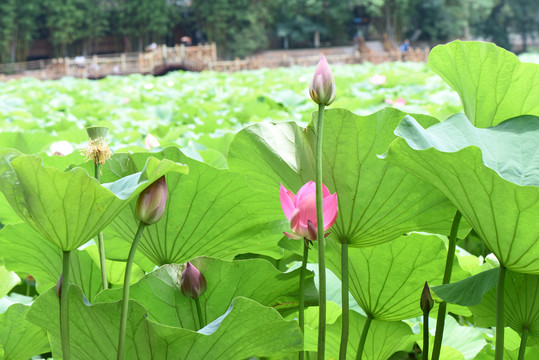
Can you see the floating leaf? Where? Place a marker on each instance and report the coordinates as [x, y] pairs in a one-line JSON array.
[[491, 175], [377, 201], [246, 329], [492, 83]]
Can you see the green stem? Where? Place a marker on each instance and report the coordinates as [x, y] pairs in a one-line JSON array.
[[345, 301], [363, 337], [100, 240], [425, 350], [199, 314], [301, 304], [498, 355], [64, 307], [320, 236], [125, 298], [523, 340], [440, 319]]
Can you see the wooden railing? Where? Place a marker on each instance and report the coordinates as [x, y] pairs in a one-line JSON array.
[[195, 58]]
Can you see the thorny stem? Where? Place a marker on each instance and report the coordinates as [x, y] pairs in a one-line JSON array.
[[440, 319], [302, 274], [100, 240], [199, 314], [498, 354], [64, 307], [320, 236], [363, 337], [125, 298], [345, 301]]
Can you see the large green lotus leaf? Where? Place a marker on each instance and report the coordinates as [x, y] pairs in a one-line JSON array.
[[28, 142], [459, 342], [69, 208], [469, 291], [246, 329], [377, 201], [19, 338], [492, 83], [210, 212], [7, 214], [386, 280], [25, 251], [521, 308], [8, 280], [491, 175], [159, 292], [383, 340]]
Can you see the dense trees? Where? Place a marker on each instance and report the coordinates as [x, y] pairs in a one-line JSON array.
[[240, 27]]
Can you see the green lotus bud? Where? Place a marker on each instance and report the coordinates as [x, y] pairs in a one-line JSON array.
[[322, 87], [152, 201], [426, 302], [193, 283]]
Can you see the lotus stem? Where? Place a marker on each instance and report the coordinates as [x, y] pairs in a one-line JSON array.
[[64, 307], [100, 240], [199, 313], [345, 301], [500, 289], [125, 298], [440, 319], [320, 237], [523, 340], [363, 337], [425, 350], [301, 305]]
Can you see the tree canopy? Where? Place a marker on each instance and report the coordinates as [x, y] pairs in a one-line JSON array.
[[241, 27]]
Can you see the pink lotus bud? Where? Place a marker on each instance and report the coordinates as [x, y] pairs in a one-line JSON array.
[[193, 283], [322, 88], [300, 209], [426, 302], [151, 202], [151, 142]]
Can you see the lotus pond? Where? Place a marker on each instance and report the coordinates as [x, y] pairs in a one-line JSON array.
[[167, 230]]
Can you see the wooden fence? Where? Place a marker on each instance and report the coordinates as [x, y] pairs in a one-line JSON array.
[[195, 58]]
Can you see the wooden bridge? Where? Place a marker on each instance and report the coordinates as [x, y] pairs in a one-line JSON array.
[[162, 59]]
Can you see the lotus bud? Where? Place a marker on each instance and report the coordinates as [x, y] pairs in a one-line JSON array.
[[193, 283], [151, 202], [426, 302], [322, 88], [59, 286]]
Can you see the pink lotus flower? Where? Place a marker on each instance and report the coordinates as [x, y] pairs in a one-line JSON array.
[[378, 79], [300, 209], [398, 102], [322, 87]]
